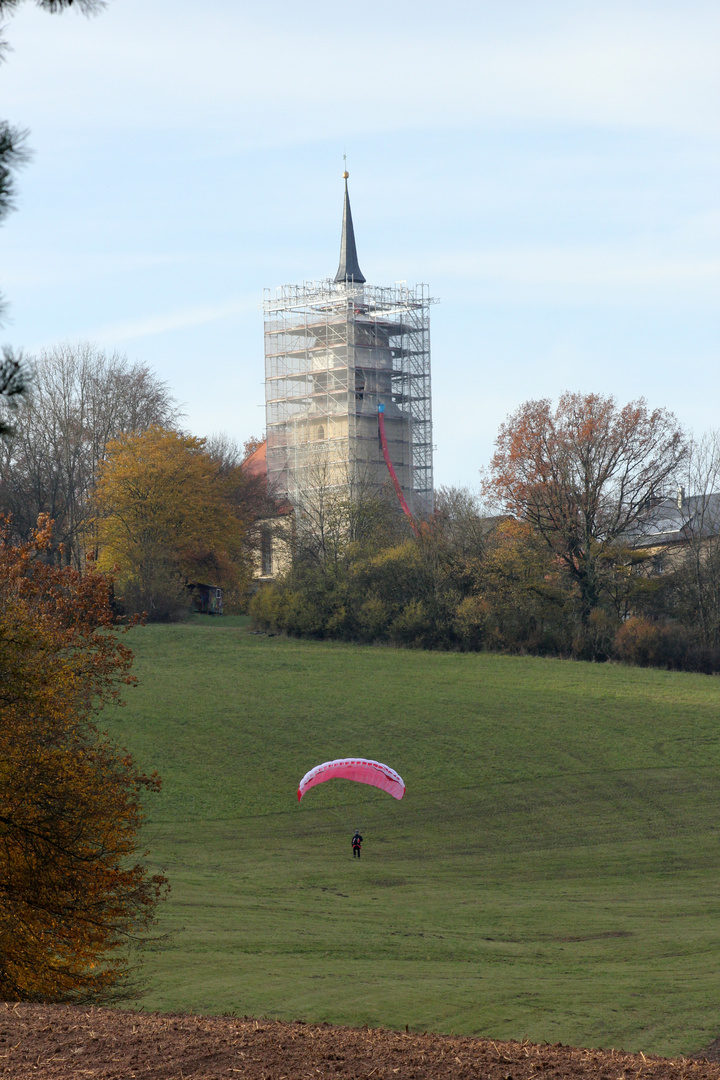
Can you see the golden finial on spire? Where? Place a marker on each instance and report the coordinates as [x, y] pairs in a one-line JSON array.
[[345, 173]]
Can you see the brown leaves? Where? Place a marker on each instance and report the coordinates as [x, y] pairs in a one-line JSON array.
[[583, 474], [112, 1044], [71, 888]]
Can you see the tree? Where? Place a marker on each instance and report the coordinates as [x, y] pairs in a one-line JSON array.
[[12, 155], [73, 889], [522, 599], [263, 515], [87, 7], [694, 573], [167, 515], [252, 444], [13, 384], [583, 475], [456, 539], [249, 490], [358, 575], [79, 399], [13, 151], [340, 513]]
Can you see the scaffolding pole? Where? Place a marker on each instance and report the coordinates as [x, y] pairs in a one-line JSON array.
[[333, 353]]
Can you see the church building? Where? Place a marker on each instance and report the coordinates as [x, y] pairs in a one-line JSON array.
[[347, 385]]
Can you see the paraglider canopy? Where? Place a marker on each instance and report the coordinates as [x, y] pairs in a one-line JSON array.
[[363, 770]]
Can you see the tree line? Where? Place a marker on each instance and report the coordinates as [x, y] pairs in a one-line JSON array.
[[95, 444], [553, 556]]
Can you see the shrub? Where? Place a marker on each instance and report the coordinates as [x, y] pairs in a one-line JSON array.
[[161, 596], [265, 608], [372, 619], [642, 642], [597, 639], [470, 622], [651, 644], [413, 626]]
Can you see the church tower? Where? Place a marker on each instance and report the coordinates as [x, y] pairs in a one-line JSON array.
[[338, 354]]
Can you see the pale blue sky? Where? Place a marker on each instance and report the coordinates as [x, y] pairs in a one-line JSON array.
[[551, 169]]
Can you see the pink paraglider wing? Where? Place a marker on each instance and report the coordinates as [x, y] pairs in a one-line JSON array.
[[363, 770]]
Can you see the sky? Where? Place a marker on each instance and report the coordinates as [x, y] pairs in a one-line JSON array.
[[551, 168]]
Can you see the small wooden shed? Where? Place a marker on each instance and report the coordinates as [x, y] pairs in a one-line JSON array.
[[207, 599]]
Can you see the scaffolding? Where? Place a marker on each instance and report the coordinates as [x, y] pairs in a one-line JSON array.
[[333, 353]]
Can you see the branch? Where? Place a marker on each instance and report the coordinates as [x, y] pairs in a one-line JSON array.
[[13, 383], [13, 154], [87, 7]]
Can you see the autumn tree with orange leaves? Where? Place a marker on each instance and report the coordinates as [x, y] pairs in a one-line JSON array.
[[74, 890], [583, 475]]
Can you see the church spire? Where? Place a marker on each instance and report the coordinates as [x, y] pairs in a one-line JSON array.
[[348, 270]]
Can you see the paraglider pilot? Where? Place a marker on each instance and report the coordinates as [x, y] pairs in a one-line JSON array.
[[356, 842]]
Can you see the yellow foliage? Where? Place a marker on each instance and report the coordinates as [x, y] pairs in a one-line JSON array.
[[164, 509]]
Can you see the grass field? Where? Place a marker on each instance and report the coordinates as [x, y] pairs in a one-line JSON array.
[[553, 871]]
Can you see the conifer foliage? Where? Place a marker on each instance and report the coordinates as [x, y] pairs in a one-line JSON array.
[[74, 890]]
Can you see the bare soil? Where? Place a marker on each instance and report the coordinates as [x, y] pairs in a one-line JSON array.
[[60, 1042]]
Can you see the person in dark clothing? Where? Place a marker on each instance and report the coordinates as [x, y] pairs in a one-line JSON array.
[[356, 842]]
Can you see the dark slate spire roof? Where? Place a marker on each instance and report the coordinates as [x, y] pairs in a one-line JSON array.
[[348, 270]]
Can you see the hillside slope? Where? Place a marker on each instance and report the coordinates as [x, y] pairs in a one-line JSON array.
[[551, 873]]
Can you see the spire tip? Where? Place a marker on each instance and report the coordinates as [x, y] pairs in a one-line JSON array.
[[348, 270]]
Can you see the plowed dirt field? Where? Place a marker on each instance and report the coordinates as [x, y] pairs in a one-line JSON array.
[[62, 1042]]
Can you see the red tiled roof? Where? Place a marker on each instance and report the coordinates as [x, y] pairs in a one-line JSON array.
[[256, 463]]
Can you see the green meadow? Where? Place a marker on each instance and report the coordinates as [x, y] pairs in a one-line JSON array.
[[553, 871]]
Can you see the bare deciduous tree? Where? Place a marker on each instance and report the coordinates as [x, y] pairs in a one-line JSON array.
[[79, 398], [696, 580], [340, 509], [249, 492]]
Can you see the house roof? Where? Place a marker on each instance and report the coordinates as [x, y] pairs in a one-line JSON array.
[[668, 522], [255, 464]]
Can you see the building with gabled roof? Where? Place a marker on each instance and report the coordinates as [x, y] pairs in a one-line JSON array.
[[675, 522]]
